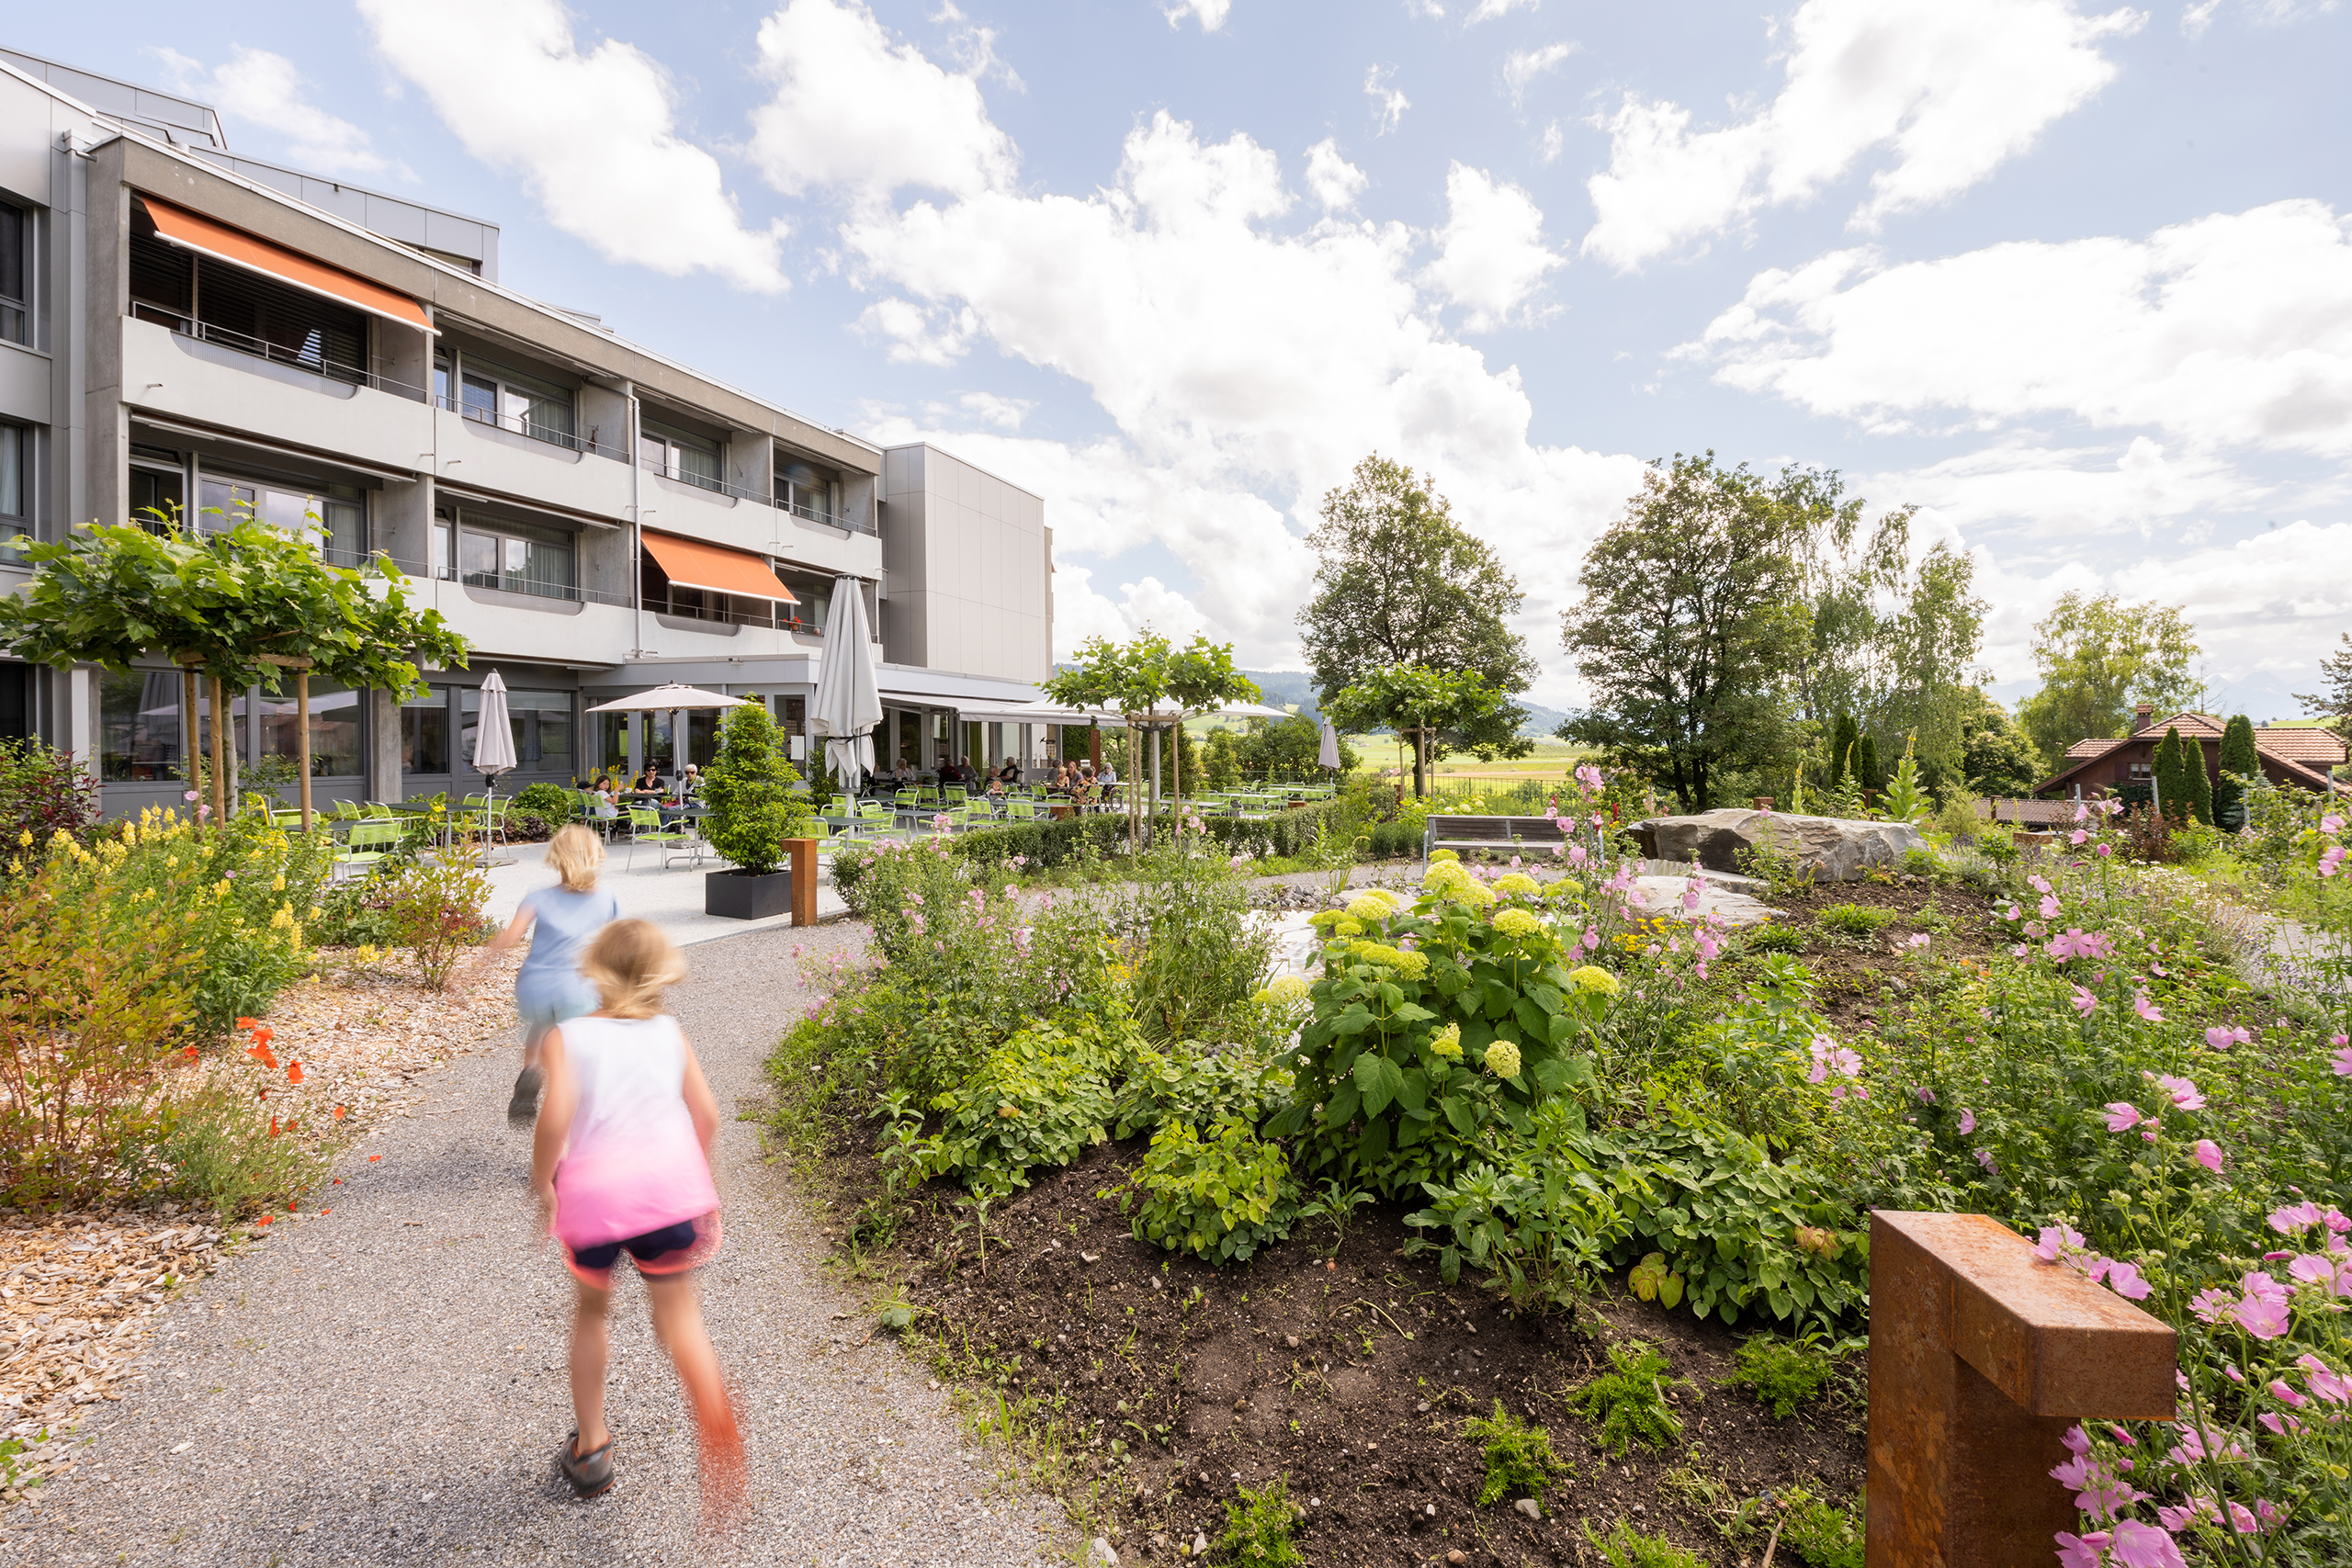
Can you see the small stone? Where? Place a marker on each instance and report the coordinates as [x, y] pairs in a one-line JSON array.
[[1291, 1340], [1089, 1257], [1422, 1408], [1155, 1283], [1099, 1549], [1534, 1510], [1640, 1508], [1200, 1544], [1241, 1404], [1457, 1555]]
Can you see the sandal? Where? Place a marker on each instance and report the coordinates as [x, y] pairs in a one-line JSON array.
[[591, 1474], [523, 1106]]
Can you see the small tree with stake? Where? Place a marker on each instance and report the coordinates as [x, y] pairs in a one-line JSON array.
[[1201, 678], [1130, 679], [1416, 701], [241, 607]]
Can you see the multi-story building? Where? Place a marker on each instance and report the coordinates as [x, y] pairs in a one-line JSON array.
[[186, 331]]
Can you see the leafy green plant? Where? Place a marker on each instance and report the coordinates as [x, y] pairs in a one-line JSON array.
[[1335, 1204], [219, 1146], [1626, 1547], [1772, 938], [435, 907], [1783, 1374], [1820, 1532], [1040, 1098], [1193, 1083], [1629, 1400], [1907, 800], [43, 792], [1854, 919], [1219, 1197], [551, 804], [1519, 1458], [1198, 954], [1258, 1528], [749, 792]]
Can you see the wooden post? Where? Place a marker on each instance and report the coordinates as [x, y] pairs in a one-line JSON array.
[[804, 880], [220, 772], [302, 738], [1981, 1356]]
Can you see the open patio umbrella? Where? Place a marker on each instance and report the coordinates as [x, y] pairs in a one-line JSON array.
[[672, 699], [848, 704], [493, 746], [1329, 756]]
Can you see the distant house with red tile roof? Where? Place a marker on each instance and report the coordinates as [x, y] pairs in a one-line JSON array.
[[2299, 754]]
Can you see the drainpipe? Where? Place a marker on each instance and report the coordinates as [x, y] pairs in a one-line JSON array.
[[636, 524]]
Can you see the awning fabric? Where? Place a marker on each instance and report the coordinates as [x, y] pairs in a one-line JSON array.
[[715, 569], [193, 232]]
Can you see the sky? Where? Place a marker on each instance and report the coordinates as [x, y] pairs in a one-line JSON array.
[[2075, 281]]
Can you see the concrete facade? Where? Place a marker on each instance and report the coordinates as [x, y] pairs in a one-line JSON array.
[[495, 460]]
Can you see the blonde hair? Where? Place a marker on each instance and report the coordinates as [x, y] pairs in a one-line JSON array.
[[631, 964], [574, 853]]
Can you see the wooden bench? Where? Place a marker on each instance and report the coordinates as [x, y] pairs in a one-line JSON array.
[[1511, 834]]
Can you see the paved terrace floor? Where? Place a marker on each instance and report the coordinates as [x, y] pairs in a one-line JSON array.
[[672, 899]]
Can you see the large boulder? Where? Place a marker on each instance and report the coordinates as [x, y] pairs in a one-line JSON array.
[[1831, 849]]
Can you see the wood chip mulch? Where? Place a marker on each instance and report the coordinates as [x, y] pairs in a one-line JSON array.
[[79, 1291]]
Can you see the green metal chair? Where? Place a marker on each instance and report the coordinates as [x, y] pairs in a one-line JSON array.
[[1021, 811], [645, 828], [370, 842], [876, 817]]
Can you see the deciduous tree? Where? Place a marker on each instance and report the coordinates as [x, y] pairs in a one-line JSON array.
[[2098, 656]]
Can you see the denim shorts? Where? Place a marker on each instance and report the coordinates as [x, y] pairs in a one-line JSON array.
[[545, 1001]]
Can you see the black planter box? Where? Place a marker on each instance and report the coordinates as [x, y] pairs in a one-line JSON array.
[[741, 896]]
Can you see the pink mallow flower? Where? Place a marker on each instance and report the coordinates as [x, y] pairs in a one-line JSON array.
[[2146, 1008], [2263, 1319], [2121, 1114], [2341, 1060], [2183, 1090], [1967, 1123], [2084, 1001], [2208, 1155], [2056, 1242], [2221, 1039], [2049, 905], [2125, 1280]]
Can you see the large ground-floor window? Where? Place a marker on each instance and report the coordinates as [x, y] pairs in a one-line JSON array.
[[336, 727], [541, 722]]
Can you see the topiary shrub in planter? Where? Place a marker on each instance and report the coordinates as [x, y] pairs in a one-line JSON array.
[[753, 813]]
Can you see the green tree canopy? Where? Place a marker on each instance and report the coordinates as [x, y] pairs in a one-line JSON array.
[[2098, 656], [1201, 678], [2333, 701], [2238, 754], [1998, 758], [1416, 701], [1400, 582], [749, 792], [2171, 775], [1694, 627], [1131, 680]]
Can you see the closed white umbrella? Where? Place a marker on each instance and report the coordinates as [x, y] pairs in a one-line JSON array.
[[848, 704], [1329, 756], [493, 746]]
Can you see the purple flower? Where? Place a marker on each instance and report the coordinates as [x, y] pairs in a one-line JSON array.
[[1918, 938], [1967, 1122], [2209, 1305], [1984, 1158]]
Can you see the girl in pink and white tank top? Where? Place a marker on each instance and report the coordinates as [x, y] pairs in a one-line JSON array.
[[621, 1162]]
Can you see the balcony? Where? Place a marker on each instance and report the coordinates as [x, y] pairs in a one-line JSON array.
[[575, 474], [525, 425], [201, 372]]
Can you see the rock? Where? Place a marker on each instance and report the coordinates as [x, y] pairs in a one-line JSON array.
[[1291, 1340], [1099, 1550], [1831, 848], [1457, 1555], [1530, 1506], [1663, 896], [1200, 1544], [1422, 1408]]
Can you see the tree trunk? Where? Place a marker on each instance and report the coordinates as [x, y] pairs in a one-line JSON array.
[[220, 772], [302, 738]]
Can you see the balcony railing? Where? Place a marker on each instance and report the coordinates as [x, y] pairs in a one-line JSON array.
[[523, 424], [276, 353], [841, 520], [775, 617]]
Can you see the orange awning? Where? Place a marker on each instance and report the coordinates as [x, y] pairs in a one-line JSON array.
[[192, 233], [715, 569]]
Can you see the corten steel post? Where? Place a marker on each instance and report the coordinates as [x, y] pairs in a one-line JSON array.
[[804, 880], [1981, 1356]]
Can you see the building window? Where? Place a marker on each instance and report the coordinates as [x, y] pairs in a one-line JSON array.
[[339, 509], [806, 491], [334, 727], [16, 273], [139, 726], [492, 394], [249, 312], [520, 557], [16, 488], [541, 722], [424, 732], [678, 455], [815, 597], [158, 496]]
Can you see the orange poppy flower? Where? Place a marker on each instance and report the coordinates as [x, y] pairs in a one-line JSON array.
[[273, 1126], [373, 1158], [293, 1072], [266, 1218], [190, 1052], [248, 1023], [259, 1051], [338, 1113], [324, 1212]]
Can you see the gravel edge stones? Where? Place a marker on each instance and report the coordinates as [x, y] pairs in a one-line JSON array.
[[387, 1384]]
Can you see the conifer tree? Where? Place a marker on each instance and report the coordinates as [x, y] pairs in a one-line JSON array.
[[2195, 781]]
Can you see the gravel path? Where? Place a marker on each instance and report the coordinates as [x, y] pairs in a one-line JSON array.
[[387, 1384]]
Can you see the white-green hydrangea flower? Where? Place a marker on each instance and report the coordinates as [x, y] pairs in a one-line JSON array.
[[1518, 884], [1502, 1059], [1600, 982], [1517, 922], [1447, 1043]]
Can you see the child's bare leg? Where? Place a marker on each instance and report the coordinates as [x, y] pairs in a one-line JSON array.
[[590, 1351], [677, 1322]]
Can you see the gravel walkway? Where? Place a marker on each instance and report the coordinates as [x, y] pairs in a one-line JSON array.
[[387, 1384]]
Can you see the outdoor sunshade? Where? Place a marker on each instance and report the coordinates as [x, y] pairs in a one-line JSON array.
[[493, 738], [664, 699], [715, 569], [848, 706], [191, 232]]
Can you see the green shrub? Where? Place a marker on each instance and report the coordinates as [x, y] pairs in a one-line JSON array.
[[1189, 1083], [1771, 938], [1819, 1531], [350, 914], [1629, 1400], [1258, 1528], [1854, 919], [1519, 1457], [1783, 1375], [1198, 951], [551, 804], [1040, 1098], [43, 792], [1626, 1547], [434, 909], [749, 792], [1414, 1053], [217, 1148], [1923, 863], [1218, 1198]]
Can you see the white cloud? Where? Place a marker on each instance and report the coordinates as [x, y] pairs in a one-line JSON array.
[[1393, 103], [258, 88], [1210, 14], [1491, 252], [1299, 352], [851, 108], [1523, 65], [917, 334], [1553, 144], [2233, 330], [1005, 414], [1951, 91], [1487, 10], [2194, 18], [1335, 182], [594, 136]]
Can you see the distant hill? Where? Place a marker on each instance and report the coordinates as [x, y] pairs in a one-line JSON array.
[[1295, 688]]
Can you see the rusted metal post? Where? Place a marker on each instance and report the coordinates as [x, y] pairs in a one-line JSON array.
[[804, 880], [1981, 1356]]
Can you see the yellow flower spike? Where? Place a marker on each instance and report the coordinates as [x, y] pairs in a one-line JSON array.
[[25, 837]]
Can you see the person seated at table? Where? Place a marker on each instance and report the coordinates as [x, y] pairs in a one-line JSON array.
[[650, 779], [1010, 773], [691, 782], [608, 794], [1109, 775]]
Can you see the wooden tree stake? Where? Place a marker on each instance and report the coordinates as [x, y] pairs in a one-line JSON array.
[[220, 769], [302, 738]]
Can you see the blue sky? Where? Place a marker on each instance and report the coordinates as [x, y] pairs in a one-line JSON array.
[[2076, 281]]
